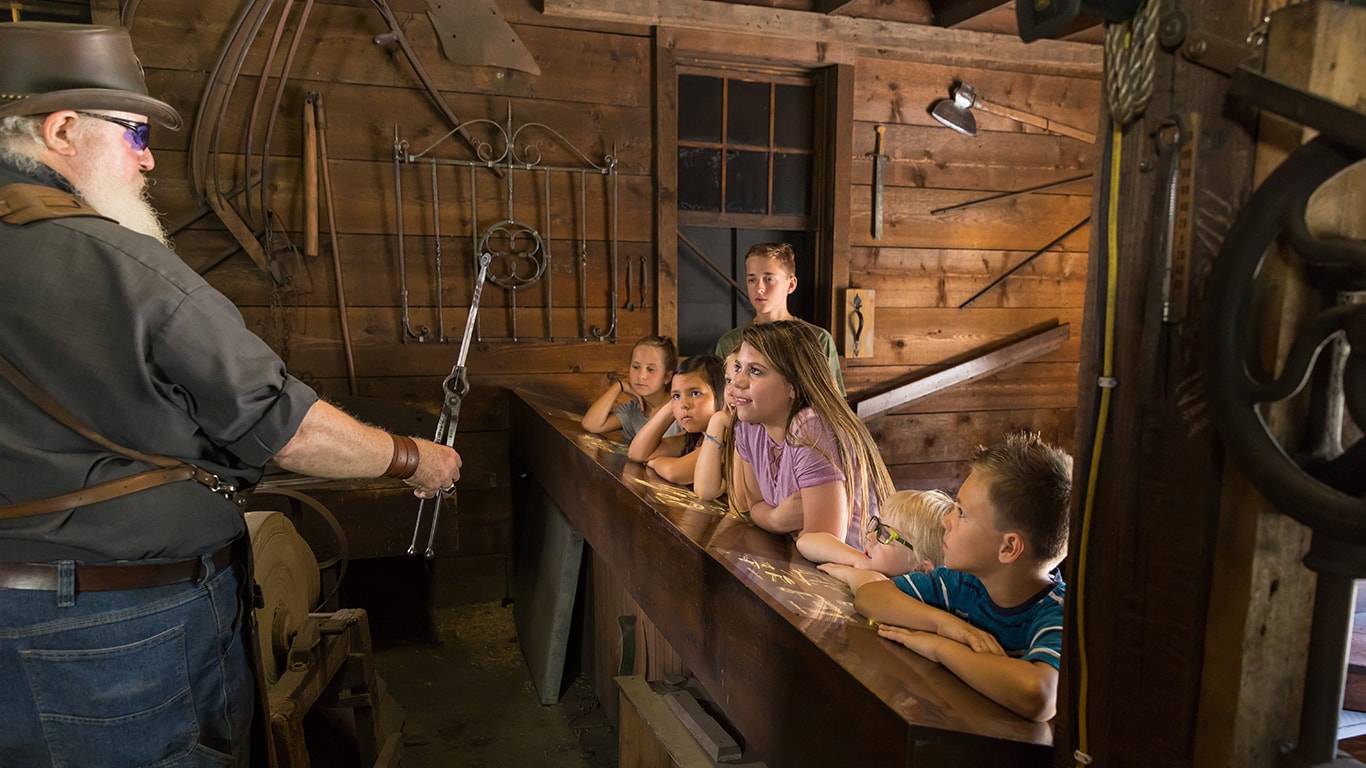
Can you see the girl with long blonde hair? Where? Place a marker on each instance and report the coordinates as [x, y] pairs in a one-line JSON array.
[[811, 459]]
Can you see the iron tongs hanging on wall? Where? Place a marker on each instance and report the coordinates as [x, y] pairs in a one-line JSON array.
[[455, 387]]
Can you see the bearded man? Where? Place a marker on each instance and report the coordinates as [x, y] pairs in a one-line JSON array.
[[135, 405]]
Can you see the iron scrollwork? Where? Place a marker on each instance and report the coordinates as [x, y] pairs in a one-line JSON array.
[[523, 255]]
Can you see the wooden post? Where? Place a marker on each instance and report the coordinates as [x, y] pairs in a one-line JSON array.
[[1147, 561], [666, 185]]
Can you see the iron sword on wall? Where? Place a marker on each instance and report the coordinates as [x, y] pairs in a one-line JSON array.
[[878, 159]]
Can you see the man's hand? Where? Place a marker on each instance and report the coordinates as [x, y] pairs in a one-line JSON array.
[[438, 468]]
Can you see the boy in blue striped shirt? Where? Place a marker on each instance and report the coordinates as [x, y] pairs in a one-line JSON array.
[[993, 614]]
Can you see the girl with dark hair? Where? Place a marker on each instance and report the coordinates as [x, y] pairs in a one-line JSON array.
[[719, 469], [695, 392]]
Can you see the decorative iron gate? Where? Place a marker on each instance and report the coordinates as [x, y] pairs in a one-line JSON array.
[[522, 256]]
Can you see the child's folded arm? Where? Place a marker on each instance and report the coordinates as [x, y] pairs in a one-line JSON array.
[[825, 509], [784, 518], [883, 601], [1027, 688], [707, 481], [599, 417], [650, 441], [822, 547], [679, 470]]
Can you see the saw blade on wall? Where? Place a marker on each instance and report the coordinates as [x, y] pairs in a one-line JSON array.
[[475, 32]]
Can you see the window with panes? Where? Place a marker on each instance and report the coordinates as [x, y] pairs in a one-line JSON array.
[[745, 159]]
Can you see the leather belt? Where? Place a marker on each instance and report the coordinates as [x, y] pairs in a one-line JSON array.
[[112, 578]]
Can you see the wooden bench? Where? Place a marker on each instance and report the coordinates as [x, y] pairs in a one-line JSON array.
[[804, 679]]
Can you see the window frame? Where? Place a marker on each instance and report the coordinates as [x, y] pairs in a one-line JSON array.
[[831, 73]]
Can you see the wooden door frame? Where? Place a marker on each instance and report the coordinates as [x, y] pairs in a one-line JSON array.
[[833, 78]]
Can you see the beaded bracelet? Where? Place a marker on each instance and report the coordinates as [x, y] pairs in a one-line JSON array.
[[404, 463], [719, 444]]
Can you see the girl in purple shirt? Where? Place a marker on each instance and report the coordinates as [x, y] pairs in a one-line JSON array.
[[809, 456]]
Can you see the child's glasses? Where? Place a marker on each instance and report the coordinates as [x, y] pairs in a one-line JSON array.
[[138, 134], [886, 534]]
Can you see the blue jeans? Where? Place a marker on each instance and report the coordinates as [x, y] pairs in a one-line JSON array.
[[145, 677]]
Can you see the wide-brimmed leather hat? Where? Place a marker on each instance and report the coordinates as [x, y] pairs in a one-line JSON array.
[[46, 67]]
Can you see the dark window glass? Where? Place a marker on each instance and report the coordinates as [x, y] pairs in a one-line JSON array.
[[746, 182], [791, 183], [707, 303], [699, 179], [699, 108], [792, 105], [747, 121]]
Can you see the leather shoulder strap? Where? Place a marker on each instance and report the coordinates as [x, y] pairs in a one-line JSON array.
[[105, 491], [67, 418], [26, 203], [170, 470]]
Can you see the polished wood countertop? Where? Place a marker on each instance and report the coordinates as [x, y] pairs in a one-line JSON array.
[[776, 642]]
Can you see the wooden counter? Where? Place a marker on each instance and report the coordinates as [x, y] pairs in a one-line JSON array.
[[777, 643]]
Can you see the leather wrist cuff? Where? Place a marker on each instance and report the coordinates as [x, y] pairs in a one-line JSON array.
[[404, 463]]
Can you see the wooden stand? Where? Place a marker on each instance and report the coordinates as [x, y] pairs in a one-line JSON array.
[[652, 735], [331, 665]]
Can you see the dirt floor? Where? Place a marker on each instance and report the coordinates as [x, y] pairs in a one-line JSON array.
[[469, 700]]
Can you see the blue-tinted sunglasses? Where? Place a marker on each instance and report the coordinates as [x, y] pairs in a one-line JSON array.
[[138, 134]]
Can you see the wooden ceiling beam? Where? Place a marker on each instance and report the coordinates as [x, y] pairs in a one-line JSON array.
[[926, 43], [951, 13]]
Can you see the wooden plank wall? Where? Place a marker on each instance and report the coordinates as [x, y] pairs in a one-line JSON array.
[[596, 87], [926, 265]]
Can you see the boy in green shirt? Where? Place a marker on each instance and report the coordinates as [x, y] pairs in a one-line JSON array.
[[770, 276]]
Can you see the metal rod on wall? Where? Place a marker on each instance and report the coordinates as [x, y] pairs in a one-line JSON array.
[[1030, 258]]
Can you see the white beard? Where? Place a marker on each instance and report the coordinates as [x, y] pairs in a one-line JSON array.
[[127, 204]]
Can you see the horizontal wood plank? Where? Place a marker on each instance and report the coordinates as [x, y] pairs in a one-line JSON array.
[[1029, 221], [947, 278], [941, 475], [1040, 385], [338, 47], [943, 437], [364, 195], [362, 119], [942, 45], [702, 47], [903, 90], [312, 343]]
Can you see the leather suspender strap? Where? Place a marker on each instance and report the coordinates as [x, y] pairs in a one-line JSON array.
[[102, 492], [67, 418], [171, 470]]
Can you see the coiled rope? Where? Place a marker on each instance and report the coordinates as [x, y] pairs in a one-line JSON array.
[[1129, 50]]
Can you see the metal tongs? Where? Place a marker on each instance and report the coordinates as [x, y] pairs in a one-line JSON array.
[[455, 387]]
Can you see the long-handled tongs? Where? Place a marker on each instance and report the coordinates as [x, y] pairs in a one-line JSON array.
[[455, 387]]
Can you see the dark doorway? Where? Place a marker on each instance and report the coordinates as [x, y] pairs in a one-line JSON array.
[[745, 158], [708, 306]]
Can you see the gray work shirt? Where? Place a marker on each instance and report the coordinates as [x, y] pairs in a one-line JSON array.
[[121, 332]]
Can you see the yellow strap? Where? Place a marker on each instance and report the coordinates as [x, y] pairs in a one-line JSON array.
[[25, 203]]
